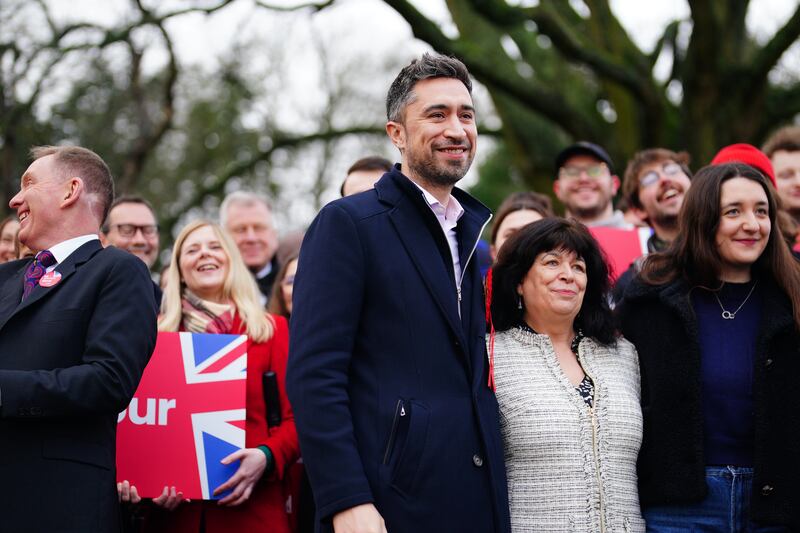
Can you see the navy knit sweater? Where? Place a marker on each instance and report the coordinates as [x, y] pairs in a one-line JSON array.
[[727, 357]]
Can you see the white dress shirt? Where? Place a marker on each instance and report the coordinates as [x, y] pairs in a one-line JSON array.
[[448, 219], [64, 249]]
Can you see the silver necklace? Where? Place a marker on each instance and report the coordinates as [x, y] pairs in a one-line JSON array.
[[727, 315]]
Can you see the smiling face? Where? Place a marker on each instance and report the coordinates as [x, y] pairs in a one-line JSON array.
[[586, 187], [554, 287], [143, 246], [38, 203], [437, 137], [662, 186], [204, 264], [744, 227], [250, 225]]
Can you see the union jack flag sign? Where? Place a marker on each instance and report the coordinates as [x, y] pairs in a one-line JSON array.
[[187, 414]]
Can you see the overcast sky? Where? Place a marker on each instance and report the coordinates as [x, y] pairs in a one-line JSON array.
[[368, 28]]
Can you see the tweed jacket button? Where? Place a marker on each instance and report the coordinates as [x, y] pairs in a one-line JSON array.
[[766, 490], [477, 460]]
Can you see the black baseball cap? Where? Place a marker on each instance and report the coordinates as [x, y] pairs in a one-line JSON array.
[[584, 148]]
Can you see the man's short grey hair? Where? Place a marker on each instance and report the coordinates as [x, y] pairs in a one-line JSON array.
[[401, 93], [245, 198]]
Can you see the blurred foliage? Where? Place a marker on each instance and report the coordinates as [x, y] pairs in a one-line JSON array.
[[563, 71]]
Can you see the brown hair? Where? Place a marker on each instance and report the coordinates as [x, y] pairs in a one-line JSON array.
[[127, 199], [630, 181], [277, 305], [786, 138], [74, 161], [519, 201], [430, 65], [372, 162], [694, 255]]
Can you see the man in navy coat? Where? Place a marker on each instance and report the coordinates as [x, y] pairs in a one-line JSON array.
[[77, 327], [387, 368]]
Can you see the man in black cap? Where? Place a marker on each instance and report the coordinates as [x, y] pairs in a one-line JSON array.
[[586, 184]]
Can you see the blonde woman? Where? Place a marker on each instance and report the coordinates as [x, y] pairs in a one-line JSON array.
[[210, 290]]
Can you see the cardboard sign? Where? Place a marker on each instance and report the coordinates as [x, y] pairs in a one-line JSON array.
[[187, 414], [621, 246]]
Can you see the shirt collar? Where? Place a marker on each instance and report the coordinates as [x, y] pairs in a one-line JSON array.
[[454, 210], [264, 271], [64, 249]]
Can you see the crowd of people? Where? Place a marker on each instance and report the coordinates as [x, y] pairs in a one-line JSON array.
[[428, 380]]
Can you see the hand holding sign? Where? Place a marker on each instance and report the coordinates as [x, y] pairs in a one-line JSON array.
[[251, 468]]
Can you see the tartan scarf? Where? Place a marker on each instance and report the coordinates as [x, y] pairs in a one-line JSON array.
[[203, 316]]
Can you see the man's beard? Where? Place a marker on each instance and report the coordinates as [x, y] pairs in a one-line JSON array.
[[589, 213], [664, 220], [442, 174]]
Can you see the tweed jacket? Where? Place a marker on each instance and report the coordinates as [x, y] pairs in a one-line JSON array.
[[569, 466], [661, 323]]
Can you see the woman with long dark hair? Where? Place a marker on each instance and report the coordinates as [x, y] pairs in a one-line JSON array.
[[716, 322]]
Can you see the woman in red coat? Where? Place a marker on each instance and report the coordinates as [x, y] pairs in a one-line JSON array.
[[211, 291]]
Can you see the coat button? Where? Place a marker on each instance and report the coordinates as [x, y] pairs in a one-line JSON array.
[[766, 490], [477, 460], [768, 363]]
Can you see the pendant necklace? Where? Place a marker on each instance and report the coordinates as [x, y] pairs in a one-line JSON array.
[[727, 315]]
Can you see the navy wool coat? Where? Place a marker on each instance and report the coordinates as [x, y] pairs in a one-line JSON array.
[[388, 380]]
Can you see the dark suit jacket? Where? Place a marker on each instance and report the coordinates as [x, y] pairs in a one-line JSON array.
[[71, 357], [388, 383]]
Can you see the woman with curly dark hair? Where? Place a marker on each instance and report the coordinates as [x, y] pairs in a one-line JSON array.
[[566, 384]]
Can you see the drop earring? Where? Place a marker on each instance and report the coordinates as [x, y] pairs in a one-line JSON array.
[[519, 301]]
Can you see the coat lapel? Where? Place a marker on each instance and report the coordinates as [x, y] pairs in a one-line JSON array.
[[66, 269], [421, 248]]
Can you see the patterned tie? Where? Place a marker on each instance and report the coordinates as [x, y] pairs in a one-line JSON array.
[[36, 270]]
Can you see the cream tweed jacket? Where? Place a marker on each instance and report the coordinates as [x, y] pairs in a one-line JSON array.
[[570, 468]]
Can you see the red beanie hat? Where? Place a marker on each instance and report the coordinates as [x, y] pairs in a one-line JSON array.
[[749, 155]]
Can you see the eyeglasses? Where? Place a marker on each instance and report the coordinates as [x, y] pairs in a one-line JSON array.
[[652, 177], [129, 230], [573, 172]]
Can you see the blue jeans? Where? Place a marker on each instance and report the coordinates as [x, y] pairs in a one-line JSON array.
[[726, 509]]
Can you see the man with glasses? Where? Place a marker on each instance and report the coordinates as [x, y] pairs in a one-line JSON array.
[[586, 185], [655, 183], [131, 226]]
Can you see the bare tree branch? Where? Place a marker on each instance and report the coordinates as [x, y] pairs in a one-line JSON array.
[[771, 53], [238, 168], [314, 6], [546, 101]]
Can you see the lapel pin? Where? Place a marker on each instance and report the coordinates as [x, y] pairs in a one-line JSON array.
[[50, 279]]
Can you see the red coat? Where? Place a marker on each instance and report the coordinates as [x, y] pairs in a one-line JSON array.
[[265, 510]]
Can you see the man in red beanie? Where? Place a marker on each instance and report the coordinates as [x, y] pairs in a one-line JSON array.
[[747, 154]]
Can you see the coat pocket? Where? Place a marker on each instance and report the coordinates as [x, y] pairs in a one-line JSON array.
[[404, 477], [399, 414]]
